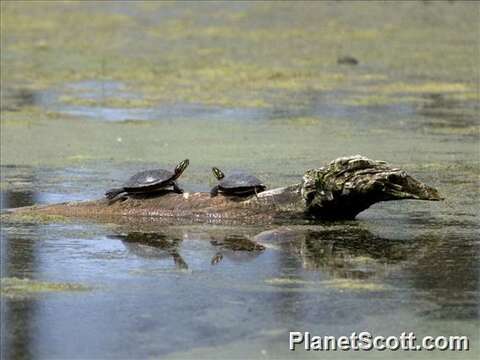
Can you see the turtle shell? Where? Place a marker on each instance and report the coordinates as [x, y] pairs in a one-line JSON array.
[[149, 178], [239, 181]]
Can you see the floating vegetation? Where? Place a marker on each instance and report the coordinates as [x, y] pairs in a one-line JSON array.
[[423, 88], [13, 217], [194, 61], [354, 285], [13, 287], [340, 284], [289, 281]]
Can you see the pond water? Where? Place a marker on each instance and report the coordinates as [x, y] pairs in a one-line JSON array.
[[232, 85]]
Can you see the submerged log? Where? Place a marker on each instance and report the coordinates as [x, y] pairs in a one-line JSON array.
[[340, 190]]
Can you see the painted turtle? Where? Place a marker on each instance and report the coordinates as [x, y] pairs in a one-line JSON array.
[[149, 181], [236, 184]]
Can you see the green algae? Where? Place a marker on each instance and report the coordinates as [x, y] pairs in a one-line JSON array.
[[237, 60], [242, 63], [32, 218], [380, 100], [108, 102], [424, 88], [57, 142], [337, 283], [354, 285], [13, 288], [287, 281], [202, 57]]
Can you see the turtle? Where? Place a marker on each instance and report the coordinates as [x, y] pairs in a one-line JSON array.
[[149, 181], [236, 184]]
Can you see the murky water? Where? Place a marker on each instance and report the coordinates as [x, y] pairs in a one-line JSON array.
[[231, 85]]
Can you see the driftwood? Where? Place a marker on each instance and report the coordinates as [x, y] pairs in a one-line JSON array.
[[340, 190]]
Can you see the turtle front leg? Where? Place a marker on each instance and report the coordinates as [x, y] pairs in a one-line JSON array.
[[114, 195], [214, 191], [176, 188]]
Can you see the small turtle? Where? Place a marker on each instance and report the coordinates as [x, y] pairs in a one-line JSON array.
[[236, 184], [149, 181]]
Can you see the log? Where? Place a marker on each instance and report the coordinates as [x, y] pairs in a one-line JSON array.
[[340, 190]]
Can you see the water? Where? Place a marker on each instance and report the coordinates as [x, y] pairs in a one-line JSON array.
[[143, 289]]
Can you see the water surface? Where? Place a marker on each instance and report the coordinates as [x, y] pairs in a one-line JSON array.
[[240, 86]]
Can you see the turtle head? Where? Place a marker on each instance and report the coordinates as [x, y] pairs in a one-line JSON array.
[[218, 173], [181, 167]]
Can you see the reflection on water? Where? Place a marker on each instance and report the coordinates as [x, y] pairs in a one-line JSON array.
[[268, 278], [197, 291], [341, 252], [153, 245], [236, 247]]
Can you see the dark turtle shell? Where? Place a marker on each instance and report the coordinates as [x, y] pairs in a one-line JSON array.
[[149, 181], [239, 180], [149, 178]]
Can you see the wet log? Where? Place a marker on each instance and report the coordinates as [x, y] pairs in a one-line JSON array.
[[340, 190]]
